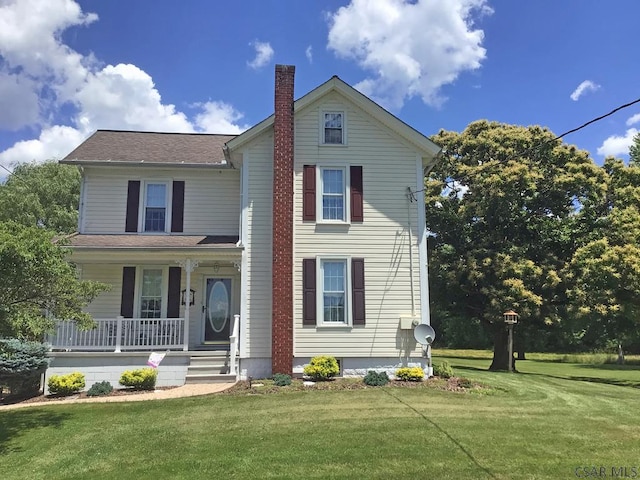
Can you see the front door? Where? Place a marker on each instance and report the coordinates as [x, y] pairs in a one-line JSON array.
[[217, 311]]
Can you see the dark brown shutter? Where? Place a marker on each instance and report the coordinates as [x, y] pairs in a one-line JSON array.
[[177, 207], [309, 193], [128, 291], [357, 290], [173, 300], [309, 291], [357, 212], [133, 201]]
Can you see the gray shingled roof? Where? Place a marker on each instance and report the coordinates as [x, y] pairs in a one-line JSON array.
[[117, 146], [152, 241]]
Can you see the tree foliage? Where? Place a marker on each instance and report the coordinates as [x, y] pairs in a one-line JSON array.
[[504, 207], [45, 195], [38, 284]]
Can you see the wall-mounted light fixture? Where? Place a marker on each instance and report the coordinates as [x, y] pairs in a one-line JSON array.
[[192, 297]]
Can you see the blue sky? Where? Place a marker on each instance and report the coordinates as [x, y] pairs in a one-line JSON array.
[[70, 67]]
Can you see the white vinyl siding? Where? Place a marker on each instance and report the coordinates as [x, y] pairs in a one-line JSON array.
[[106, 304], [259, 247], [211, 199], [388, 168]]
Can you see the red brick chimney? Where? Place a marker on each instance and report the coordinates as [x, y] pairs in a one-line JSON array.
[[282, 282]]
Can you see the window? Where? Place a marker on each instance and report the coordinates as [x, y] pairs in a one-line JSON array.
[[334, 293], [333, 194], [333, 128], [155, 207], [337, 194], [151, 293]]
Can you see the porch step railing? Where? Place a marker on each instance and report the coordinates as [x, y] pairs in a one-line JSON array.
[[118, 334]]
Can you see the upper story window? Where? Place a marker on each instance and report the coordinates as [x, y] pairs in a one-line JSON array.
[[333, 190], [155, 207], [332, 194], [333, 131]]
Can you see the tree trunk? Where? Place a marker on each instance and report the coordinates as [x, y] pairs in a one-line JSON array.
[[501, 350]]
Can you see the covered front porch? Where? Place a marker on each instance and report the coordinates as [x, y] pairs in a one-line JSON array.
[[168, 293]]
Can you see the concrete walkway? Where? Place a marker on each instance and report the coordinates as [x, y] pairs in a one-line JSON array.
[[190, 390]]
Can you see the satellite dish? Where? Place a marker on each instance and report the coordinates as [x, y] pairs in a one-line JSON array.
[[424, 334]]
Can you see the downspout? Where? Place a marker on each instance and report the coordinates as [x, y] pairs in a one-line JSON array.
[[410, 197]]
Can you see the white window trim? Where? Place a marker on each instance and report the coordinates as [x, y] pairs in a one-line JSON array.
[[320, 292], [344, 128], [347, 194], [138, 290], [143, 205]]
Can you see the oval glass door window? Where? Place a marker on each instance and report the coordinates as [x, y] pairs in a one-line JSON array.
[[218, 306]]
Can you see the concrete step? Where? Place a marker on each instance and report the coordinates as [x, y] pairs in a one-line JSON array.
[[210, 378], [207, 369], [213, 361]]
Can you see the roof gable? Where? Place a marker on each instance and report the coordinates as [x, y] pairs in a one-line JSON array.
[[411, 135]]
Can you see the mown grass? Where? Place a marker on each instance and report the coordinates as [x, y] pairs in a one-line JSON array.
[[542, 423]]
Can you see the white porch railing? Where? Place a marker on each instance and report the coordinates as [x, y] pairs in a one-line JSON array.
[[233, 344], [118, 334]]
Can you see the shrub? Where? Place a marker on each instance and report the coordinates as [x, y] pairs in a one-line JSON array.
[[443, 370], [411, 374], [141, 379], [465, 383], [281, 379], [322, 368], [376, 379], [99, 389], [66, 384], [21, 365]]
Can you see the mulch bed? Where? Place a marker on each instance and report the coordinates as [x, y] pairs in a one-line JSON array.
[[8, 400], [258, 387]]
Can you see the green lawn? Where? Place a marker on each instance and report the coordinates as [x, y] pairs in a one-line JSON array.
[[542, 423]]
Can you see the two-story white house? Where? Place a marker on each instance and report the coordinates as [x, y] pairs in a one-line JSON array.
[[247, 255]]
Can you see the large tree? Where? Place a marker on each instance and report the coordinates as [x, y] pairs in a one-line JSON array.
[[38, 284], [504, 207], [604, 274], [44, 195]]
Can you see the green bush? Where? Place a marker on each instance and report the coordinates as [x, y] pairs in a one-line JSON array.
[[410, 374], [322, 368], [22, 364], [443, 370], [465, 383], [281, 379], [376, 379], [99, 389], [66, 384], [141, 379]]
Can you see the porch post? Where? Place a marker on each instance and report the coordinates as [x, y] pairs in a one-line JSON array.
[[119, 319], [188, 265], [187, 307]]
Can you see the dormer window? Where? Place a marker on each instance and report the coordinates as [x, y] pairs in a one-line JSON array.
[[333, 128]]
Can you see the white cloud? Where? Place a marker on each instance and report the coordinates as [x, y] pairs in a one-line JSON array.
[[633, 120], [584, 87], [411, 48], [264, 54], [617, 145], [39, 74], [53, 143], [219, 117], [309, 53]]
